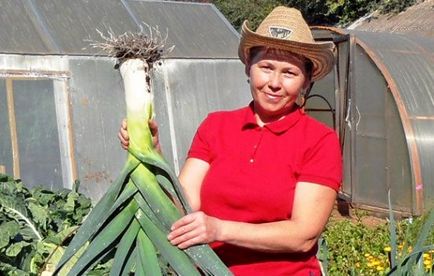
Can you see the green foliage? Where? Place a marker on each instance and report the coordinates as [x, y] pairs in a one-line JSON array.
[[236, 11], [344, 12], [355, 248], [348, 242], [316, 12], [35, 224], [395, 6]]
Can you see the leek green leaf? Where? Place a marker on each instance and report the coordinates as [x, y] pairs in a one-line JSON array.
[[147, 261], [105, 238], [98, 215], [125, 247]]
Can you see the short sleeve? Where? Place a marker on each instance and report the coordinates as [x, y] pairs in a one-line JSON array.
[[322, 163], [201, 145]]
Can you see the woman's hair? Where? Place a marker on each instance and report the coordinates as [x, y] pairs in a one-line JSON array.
[[308, 64]]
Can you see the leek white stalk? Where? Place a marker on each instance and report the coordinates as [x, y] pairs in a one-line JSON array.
[[138, 98]]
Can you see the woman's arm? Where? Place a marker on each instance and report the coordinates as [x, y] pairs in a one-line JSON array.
[[191, 177], [313, 204]]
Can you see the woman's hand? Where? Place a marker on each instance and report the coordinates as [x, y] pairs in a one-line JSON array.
[[125, 139], [123, 135], [194, 228]]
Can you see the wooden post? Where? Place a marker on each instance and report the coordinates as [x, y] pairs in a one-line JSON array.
[[13, 128], [2, 169]]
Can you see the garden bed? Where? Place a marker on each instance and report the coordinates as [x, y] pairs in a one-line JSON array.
[[359, 242]]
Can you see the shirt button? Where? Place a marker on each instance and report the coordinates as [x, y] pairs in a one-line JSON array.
[[251, 160]]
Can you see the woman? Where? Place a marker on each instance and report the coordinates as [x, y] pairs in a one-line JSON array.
[[263, 179]]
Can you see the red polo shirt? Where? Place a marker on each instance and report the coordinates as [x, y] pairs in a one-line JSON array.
[[252, 177]]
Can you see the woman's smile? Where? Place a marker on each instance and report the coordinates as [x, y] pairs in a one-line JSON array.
[[273, 97]]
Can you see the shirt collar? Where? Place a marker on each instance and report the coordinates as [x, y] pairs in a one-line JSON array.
[[276, 127]]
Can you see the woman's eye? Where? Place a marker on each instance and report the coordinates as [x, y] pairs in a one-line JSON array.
[[289, 74]]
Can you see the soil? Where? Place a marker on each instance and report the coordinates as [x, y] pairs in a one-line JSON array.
[[369, 219]]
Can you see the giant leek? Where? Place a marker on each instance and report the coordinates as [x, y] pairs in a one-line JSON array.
[[132, 220]]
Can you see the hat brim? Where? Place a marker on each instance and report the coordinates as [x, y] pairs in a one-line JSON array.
[[320, 53]]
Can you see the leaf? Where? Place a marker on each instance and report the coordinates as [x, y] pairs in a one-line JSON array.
[[8, 231], [60, 237], [5, 178], [105, 238], [176, 257], [4, 267], [70, 202], [39, 214], [99, 213], [84, 202], [203, 255], [43, 197], [418, 248], [71, 262], [131, 263], [156, 160], [20, 216], [101, 269], [16, 203], [147, 256], [28, 234], [160, 203], [15, 248], [125, 247], [45, 247], [22, 209]]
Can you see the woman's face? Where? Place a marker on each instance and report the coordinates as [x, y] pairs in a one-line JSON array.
[[276, 80]]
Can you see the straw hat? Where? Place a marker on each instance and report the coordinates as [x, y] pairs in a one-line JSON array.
[[284, 28]]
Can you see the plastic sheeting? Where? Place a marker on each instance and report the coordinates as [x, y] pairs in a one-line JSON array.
[[68, 27]]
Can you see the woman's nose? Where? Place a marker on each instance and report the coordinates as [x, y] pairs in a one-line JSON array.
[[274, 81]]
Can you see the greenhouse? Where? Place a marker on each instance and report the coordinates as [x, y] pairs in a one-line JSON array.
[[383, 107], [62, 102]]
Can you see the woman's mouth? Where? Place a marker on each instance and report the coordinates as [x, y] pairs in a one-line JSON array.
[[272, 96]]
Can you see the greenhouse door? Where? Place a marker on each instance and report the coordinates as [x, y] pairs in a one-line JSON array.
[[379, 153], [34, 132]]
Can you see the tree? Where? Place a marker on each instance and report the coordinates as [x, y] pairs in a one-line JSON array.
[[316, 12]]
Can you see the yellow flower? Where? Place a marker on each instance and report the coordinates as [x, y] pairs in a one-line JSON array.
[[357, 264], [380, 268], [427, 262], [426, 255], [367, 255], [370, 265], [387, 249]]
